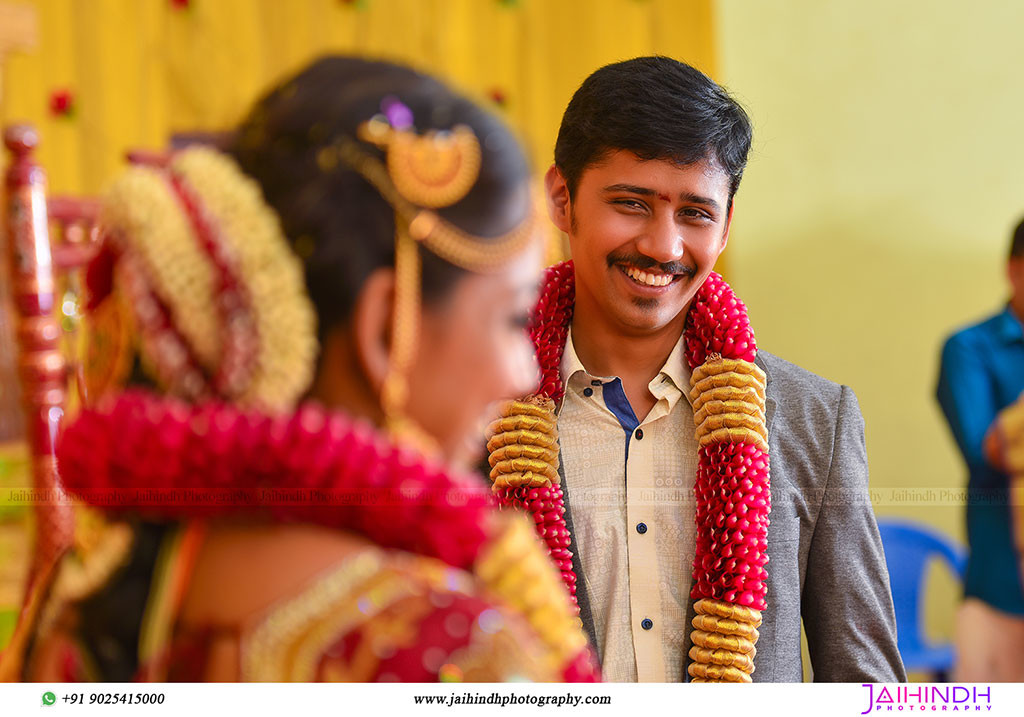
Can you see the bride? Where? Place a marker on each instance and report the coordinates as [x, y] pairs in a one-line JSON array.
[[318, 318]]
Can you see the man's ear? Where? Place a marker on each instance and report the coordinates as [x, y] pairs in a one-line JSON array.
[[557, 193], [371, 323], [728, 226]]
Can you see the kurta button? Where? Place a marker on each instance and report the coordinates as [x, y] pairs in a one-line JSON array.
[[639, 434], [588, 392], [647, 623], [641, 528]]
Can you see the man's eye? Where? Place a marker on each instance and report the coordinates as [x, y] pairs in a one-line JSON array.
[[630, 203], [696, 214]]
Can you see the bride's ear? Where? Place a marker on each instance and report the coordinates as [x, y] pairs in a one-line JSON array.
[[371, 323]]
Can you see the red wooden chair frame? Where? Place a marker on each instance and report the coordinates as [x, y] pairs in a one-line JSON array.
[[34, 263]]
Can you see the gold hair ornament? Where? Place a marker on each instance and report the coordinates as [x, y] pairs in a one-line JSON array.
[[422, 173], [433, 170]]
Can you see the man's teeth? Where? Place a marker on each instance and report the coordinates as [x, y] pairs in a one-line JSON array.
[[649, 279]]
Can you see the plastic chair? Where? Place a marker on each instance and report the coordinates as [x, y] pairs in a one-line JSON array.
[[908, 549]]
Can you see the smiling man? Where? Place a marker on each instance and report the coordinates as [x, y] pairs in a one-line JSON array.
[[648, 159]]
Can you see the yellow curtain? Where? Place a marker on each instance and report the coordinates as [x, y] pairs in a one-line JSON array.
[[139, 70]]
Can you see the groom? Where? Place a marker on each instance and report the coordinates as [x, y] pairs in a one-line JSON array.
[[648, 159]]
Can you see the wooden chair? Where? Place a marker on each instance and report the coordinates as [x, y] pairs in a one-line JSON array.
[[36, 260]]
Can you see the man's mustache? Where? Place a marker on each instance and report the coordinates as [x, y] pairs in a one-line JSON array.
[[645, 262]]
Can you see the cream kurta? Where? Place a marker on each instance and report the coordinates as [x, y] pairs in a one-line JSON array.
[[632, 576]]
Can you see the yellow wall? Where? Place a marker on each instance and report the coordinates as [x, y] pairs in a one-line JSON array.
[[887, 174], [141, 69]]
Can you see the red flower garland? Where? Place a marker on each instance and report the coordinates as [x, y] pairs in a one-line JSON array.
[[548, 331], [161, 458], [732, 486], [547, 507]]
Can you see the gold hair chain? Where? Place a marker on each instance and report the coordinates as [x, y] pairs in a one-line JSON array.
[[404, 340]]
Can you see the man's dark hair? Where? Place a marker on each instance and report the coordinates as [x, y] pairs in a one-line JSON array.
[[657, 108], [1017, 245]]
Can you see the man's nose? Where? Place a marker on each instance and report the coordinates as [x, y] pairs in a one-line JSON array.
[[662, 239]]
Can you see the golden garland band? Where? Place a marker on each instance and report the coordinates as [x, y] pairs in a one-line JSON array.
[[716, 364], [529, 438], [523, 445], [728, 399], [723, 408], [729, 611], [722, 626], [530, 406], [727, 393], [525, 422], [716, 641], [724, 637], [522, 465], [724, 658], [523, 454], [523, 451], [702, 672]]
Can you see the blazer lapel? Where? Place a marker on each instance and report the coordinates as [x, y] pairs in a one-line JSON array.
[[582, 598], [769, 398]]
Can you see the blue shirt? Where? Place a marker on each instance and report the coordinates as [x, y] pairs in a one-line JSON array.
[[982, 373]]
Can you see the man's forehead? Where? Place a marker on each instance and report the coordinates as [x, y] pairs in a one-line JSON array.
[[627, 163]]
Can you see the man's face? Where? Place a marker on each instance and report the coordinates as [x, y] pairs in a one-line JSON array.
[[644, 236]]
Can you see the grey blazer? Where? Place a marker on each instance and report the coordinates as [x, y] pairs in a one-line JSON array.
[[825, 559]]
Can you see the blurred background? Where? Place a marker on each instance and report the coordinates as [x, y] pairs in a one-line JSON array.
[[874, 217]]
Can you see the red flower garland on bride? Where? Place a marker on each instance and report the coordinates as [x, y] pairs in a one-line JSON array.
[[732, 486], [143, 455], [161, 458]]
